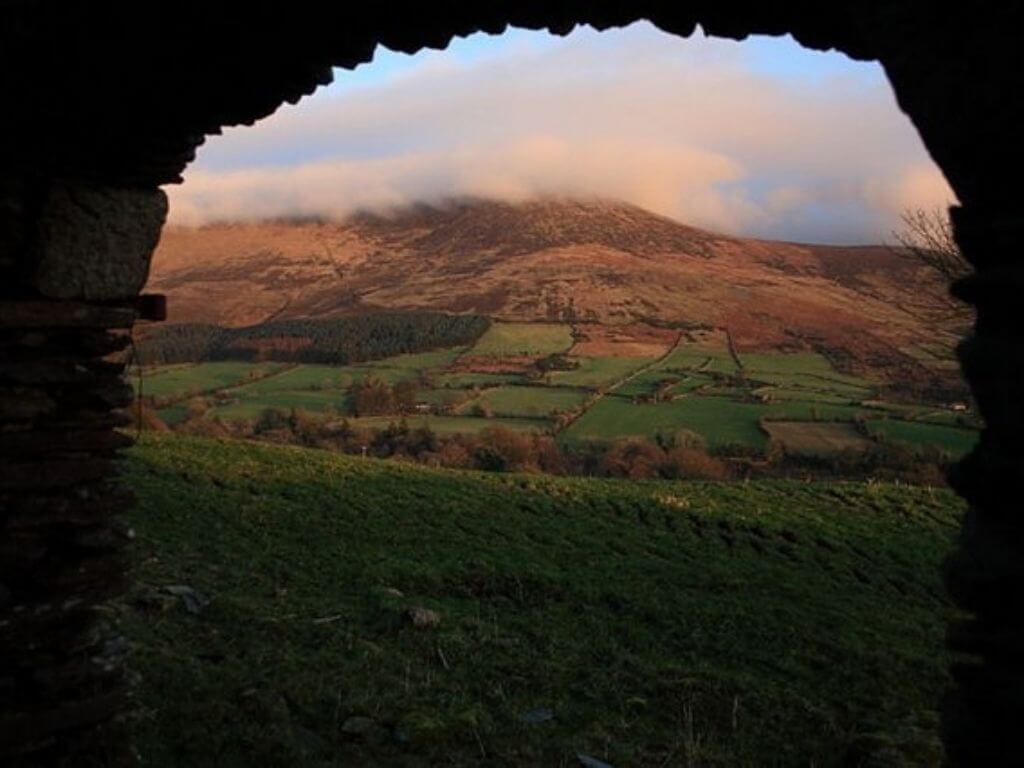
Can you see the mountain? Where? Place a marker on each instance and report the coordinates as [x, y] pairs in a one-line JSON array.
[[551, 259]]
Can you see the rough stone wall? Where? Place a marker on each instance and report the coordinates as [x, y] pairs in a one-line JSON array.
[[985, 576], [61, 670], [94, 243], [105, 94]]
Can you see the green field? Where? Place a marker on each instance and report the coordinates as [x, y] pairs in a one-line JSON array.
[[307, 377], [250, 406], [450, 425], [527, 401], [711, 395], [642, 624], [816, 438], [647, 382], [318, 387], [303, 378], [955, 440], [699, 357], [807, 370], [466, 380], [928, 414], [794, 363], [594, 372], [524, 339], [174, 414], [784, 394], [688, 383], [443, 397], [421, 361], [178, 381], [719, 420]]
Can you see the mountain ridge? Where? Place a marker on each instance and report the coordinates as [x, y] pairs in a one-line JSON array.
[[573, 260]]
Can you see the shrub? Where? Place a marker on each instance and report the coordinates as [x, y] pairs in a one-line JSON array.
[[632, 458], [404, 395], [421, 440], [307, 427], [556, 361], [502, 450], [203, 427], [482, 411], [454, 454], [681, 438], [371, 397], [694, 464], [271, 420], [548, 456], [196, 408]]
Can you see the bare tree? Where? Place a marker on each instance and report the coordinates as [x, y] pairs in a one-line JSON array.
[[926, 237]]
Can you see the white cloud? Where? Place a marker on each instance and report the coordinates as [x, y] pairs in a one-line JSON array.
[[689, 128]]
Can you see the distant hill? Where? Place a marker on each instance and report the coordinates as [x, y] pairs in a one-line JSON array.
[[577, 261]]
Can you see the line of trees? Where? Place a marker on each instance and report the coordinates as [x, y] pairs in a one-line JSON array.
[[333, 341], [499, 449], [496, 449], [680, 454]]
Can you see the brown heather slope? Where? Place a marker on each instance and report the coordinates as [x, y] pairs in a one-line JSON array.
[[585, 261]]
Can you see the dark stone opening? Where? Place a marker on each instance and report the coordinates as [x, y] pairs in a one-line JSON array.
[[105, 102]]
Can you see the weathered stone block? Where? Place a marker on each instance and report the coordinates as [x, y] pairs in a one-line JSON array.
[[95, 243]]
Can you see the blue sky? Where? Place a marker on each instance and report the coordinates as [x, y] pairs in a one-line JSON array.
[[774, 56], [759, 137]]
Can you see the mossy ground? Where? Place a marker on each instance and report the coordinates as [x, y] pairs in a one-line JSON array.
[[642, 623]]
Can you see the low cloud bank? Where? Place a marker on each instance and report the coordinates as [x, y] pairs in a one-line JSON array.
[[693, 129]]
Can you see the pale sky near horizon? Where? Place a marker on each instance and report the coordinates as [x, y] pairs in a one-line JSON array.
[[760, 138]]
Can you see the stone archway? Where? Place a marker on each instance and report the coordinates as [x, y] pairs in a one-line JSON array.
[[104, 103]]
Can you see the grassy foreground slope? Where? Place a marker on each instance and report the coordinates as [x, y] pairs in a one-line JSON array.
[[643, 624]]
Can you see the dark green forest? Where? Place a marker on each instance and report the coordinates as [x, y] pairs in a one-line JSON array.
[[335, 341]]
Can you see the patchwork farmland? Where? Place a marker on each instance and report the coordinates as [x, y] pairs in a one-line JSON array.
[[584, 383]]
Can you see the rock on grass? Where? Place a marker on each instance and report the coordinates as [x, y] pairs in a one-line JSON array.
[[423, 618]]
